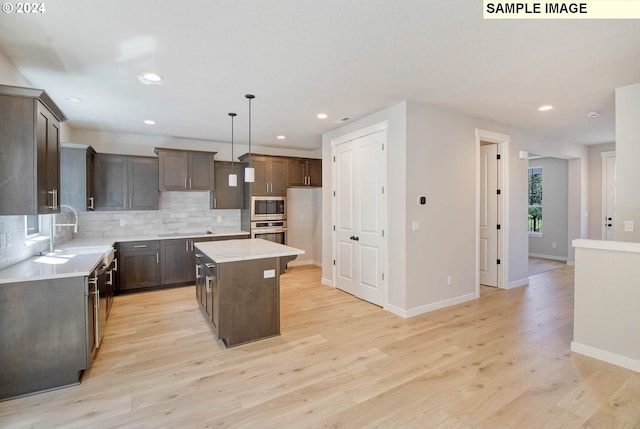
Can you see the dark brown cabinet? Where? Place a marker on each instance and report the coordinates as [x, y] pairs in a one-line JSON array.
[[304, 172], [185, 170], [76, 176], [225, 196], [270, 174], [30, 150], [139, 265], [177, 261], [126, 182]]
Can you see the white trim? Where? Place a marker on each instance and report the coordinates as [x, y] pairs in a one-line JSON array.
[[503, 142], [380, 126], [326, 282], [603, 208], [534, 234], [518, 283], [304, 262], [416, 311], [552, 257], [606, 356]]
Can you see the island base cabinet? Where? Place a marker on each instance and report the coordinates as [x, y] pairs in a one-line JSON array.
[[241, 299], [43, 340]]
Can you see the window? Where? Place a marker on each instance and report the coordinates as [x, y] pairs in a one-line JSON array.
[[535, 200], [31, 226]]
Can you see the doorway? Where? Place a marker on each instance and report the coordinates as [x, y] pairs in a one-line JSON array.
[[359, 214], [497, 201]]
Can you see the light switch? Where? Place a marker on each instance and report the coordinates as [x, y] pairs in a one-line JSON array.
[[219, 219], [416, 225], [628, 226], [269, 274]]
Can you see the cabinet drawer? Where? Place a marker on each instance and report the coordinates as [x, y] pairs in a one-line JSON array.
[[132, 246]]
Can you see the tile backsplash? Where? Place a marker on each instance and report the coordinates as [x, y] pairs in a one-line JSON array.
[[182, 212]]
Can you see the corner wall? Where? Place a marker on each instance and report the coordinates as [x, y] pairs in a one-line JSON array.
[[627, 156], [595, 188]]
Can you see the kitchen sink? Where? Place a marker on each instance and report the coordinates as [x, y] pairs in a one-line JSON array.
[[184, 234], [107, 251]]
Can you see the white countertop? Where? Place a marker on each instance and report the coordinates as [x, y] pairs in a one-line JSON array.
[[81, 256], [243, 250], [620, 246]]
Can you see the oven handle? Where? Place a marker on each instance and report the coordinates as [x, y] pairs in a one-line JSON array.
[[267, 230]]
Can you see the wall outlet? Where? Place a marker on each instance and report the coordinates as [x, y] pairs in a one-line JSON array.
[[416, 225], [219, 219], [554, 245], [301, 216], [449, 280], [3, 240], [269, 274], [121, 222], [628, 226]]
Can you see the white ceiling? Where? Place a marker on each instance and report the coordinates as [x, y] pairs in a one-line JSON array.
[[301, 57]]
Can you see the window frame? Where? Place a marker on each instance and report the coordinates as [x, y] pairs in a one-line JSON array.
[[27, 235], [541, 205]]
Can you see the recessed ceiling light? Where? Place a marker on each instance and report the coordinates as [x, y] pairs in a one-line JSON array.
[[149, 122], [545, 108], [73, 99], [281, 137], [150, 79], [593, 114], [322, 116]]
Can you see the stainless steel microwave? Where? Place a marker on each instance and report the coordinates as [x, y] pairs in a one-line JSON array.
[[268, 208]]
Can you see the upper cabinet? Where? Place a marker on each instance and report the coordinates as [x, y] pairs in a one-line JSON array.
[[29, 152], [225, 196], [304, 172], [126, 182], [270, 174], [76, 176], [182, 170]]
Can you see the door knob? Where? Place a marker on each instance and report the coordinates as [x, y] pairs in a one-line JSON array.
[[357, 238], [609, 225], [353, 237]]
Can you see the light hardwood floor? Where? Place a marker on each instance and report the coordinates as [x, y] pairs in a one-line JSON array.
[[502, 361], [540, 265]]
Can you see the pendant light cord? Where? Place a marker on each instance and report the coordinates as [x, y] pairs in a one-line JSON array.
[[233, 115], [250, 97]]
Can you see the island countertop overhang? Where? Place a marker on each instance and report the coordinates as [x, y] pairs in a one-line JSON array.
[[244, 250]]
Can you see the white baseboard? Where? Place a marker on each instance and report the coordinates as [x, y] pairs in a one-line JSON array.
[[571, 263], [412, 312], [603, 355], [518, 283], [552, 257], [296, 263], [327, 282]]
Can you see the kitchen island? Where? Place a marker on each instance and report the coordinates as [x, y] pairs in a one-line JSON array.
[[238, 287]]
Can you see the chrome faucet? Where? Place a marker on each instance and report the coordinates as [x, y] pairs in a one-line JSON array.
[[53, 224]]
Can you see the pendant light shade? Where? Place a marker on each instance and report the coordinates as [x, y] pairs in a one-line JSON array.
[[249, 172], [233, 177]]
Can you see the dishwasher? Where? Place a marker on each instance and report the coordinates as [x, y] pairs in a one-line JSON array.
[[97, 307]]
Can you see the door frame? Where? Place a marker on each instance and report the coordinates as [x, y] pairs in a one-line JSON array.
[[380, 126], [503, 141], [603, 208]]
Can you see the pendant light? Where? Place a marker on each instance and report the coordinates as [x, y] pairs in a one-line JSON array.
[[233, 177], [249, 172]]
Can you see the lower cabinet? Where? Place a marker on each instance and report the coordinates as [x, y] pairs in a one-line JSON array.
[[153, 264], [139, 265]]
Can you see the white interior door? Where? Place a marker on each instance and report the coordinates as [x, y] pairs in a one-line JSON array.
[[359, 166], [489, 215], [608, 196]]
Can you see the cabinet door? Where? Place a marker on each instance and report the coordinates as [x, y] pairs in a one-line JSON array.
[[110, 182], [260, 184], [44, 198], [224, 196], [296, 175], [174, 170], [140, 269], [73, 177], [142, 183], [177, 261], [53, 161], [201, 171], [314, 172], [278, 177], [89, 177]]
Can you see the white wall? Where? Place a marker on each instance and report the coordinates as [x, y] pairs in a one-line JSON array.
[[555, 204], [304, 221], [9, 74], [627, 156], [595, 188]]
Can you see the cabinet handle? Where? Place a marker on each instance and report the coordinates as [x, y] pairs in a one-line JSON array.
[[91, 207], [199, 255], [189, 182], [54, 199], [157, 258], [197, 271], [115, 268], [208, 280], [110, 281], [185, 182], [140, 246], [192, 249], [215, 203], [130, 205], [267, 186], [186, 246], [210, 265]]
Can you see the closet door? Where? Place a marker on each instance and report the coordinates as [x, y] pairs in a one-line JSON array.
[[359, 172]]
